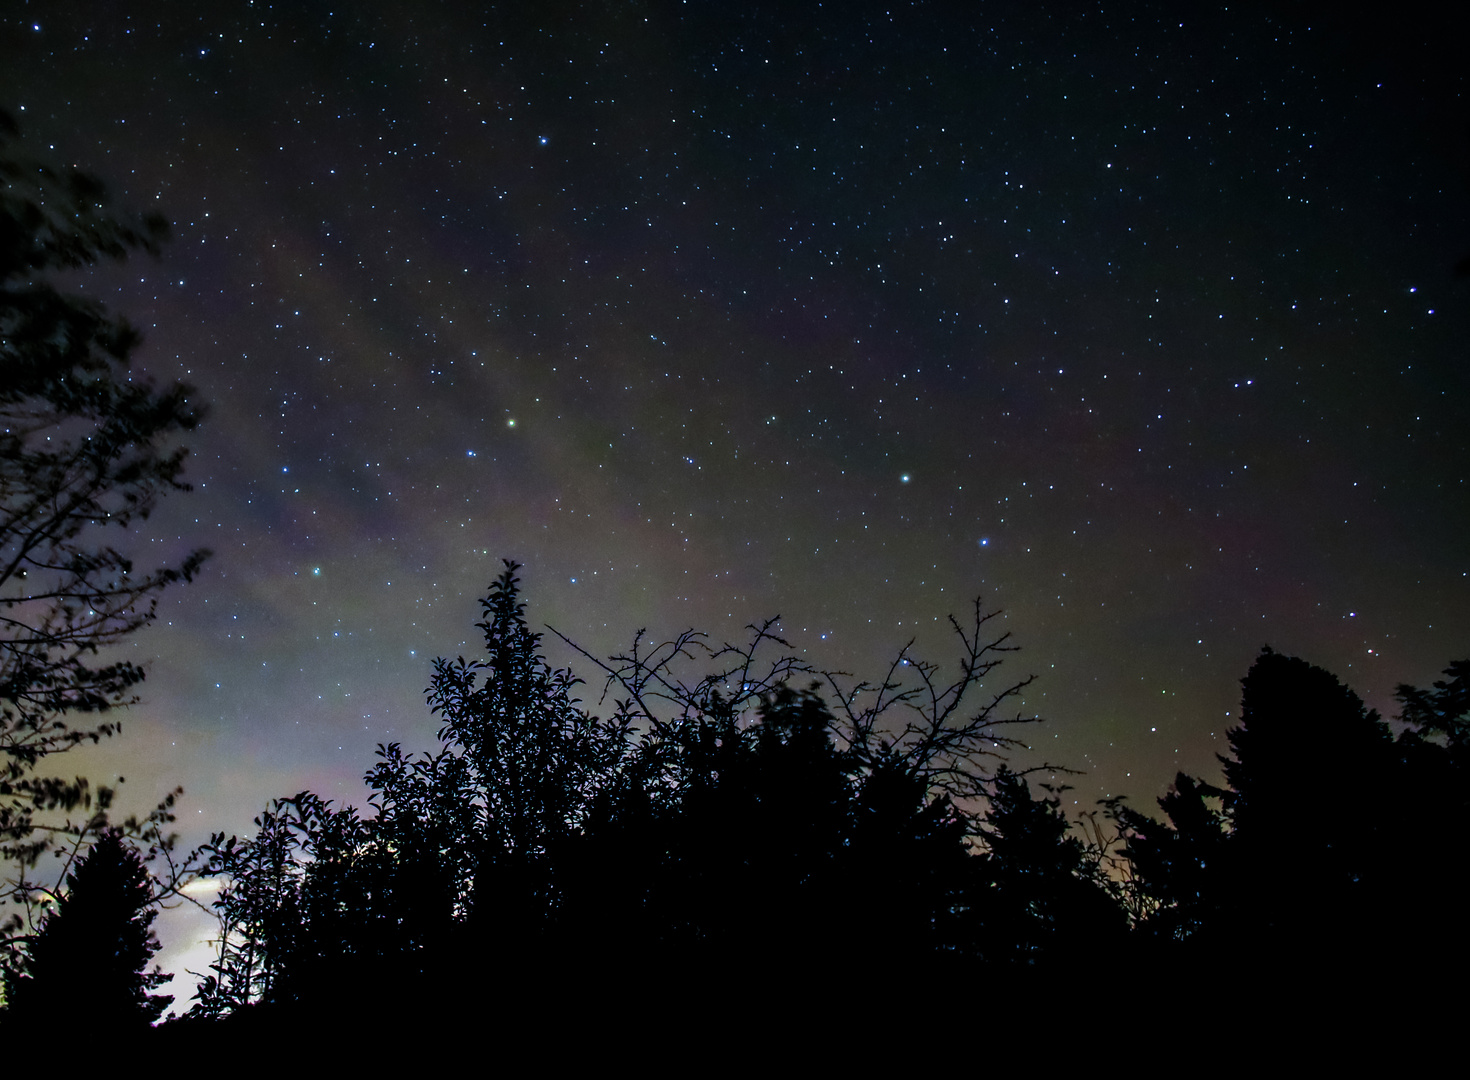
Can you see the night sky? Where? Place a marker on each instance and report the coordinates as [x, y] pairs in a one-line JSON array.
[[1147, 330]]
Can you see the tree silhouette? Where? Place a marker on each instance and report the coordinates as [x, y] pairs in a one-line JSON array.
[[1422, 866], [1442, 710], [303, 906], [94, 947], [747, 843], [1327, 826], [1303, 873], [532, 761], [718, 830], [1039, 900], [1182, 864], [85, 447], [752, 847], [458, 870], [792, 831]]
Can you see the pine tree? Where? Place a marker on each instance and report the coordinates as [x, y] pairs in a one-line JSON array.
[[94, 947], [1039, 900]]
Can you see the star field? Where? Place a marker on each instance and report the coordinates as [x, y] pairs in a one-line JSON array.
[[1137, 320]]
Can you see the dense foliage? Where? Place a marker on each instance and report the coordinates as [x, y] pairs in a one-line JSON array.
[[738, 838], [731, 824]]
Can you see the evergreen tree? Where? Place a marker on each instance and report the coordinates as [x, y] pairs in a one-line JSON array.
[[1304, 876], [1038, 900], [1180, 865], [1320, 831], [91, 955]]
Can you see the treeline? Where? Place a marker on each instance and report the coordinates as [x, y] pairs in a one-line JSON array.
[[748, 837], [729, 832]]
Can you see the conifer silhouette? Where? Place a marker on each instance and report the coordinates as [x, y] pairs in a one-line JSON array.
[[94, 947]]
